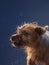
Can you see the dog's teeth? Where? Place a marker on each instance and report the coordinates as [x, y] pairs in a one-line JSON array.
[[13, 45]]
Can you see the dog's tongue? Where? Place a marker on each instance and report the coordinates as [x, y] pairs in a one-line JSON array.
[[46, 37]]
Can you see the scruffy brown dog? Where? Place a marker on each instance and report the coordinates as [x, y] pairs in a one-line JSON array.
[[31, 37]]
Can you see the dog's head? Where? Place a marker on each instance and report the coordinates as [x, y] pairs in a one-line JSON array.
[[27, 35]]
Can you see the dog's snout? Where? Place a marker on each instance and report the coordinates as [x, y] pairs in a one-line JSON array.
[[14, 37]]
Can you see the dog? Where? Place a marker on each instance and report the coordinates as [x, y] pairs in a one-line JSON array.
[[33, 38]]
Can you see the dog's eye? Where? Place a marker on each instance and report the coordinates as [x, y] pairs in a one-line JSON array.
[[25, 33]]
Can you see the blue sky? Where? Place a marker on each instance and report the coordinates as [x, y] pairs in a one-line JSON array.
[[12, 14]]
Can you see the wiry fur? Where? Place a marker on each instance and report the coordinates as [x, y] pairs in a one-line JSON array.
[[37, 50]]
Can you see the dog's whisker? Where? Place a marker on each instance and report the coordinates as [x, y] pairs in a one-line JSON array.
[[18, 29]]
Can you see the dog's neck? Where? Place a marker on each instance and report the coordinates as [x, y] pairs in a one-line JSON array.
[[30, 53]]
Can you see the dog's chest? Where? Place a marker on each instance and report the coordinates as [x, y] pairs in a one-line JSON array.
[[30, 53]]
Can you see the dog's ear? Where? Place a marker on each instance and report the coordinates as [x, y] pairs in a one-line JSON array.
[[39, 30]]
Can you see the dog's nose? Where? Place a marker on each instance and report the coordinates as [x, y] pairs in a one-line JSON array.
[[14, 37]]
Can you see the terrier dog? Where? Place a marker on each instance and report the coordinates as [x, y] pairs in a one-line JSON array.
[[35, 40]]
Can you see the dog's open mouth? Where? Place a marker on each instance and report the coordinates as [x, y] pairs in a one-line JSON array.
[[18, 43]]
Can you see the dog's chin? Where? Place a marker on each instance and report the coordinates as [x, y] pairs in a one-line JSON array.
[[18, 44]]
